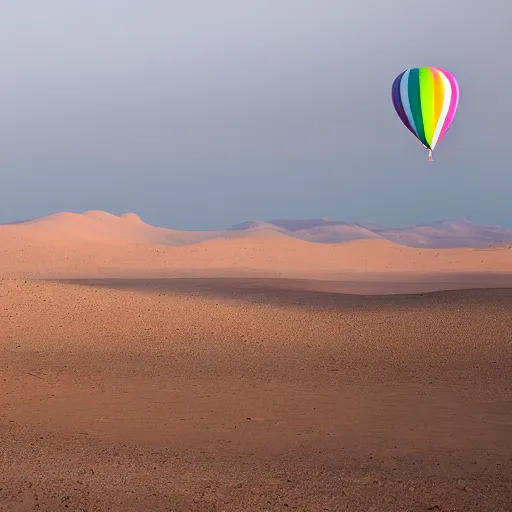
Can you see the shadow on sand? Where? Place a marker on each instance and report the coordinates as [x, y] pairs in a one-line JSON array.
[[310, 293]]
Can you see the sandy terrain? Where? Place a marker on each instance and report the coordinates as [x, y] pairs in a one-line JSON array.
[[98, 244], [275, 374], [441, 234]]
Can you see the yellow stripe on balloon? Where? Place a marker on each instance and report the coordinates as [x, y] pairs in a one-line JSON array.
[[438, 95], [427, 102]]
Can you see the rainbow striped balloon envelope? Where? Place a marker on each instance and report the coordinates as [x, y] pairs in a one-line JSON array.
[[426, 100]]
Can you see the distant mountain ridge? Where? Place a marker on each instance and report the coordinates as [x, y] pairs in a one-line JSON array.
[[438, 234], [130, 228]]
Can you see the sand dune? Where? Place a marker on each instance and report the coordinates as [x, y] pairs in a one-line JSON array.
[[101, 244], [102, 227], [443, 234], [96, 226], [449, 234]]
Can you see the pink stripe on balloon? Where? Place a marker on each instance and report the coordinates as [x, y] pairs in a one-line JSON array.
[[454, 102]]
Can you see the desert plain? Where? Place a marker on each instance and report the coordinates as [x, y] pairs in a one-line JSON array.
[[148, 369]]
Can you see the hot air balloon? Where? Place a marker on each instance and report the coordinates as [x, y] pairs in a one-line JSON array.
[[426, 100]]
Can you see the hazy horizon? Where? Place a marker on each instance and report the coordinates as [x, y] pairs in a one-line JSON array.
[[197, 117], [361, 222]]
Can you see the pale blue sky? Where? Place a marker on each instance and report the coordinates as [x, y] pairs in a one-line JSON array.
[[202, 114]]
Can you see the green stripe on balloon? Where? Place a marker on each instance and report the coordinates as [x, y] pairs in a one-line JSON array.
[[427, 103], [415, 102]]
